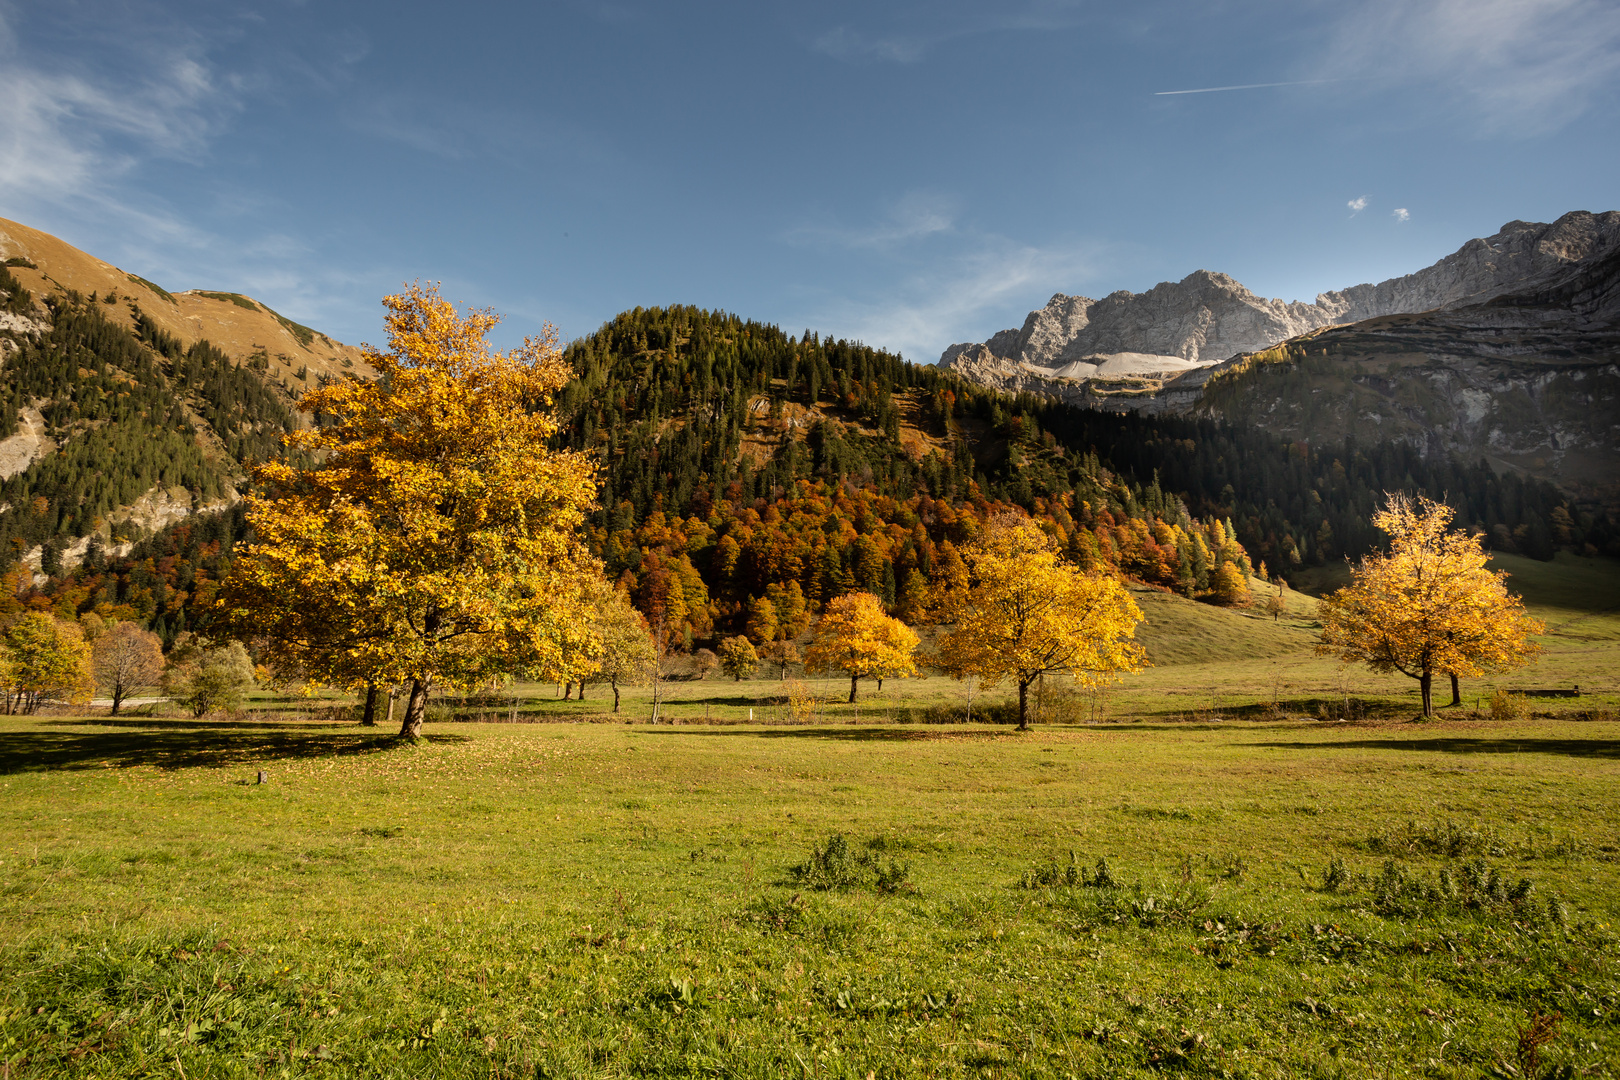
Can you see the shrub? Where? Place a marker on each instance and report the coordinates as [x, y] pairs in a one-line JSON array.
[[1447, 839], [1335, 877], [834, 865], [1054, 874], [1350, 710], [209, 680], [1508, 706], [802, 703], [1470, 886], [1175, 904]]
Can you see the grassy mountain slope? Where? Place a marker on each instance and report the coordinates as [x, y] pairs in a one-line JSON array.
[[238, 326], [113, 427]]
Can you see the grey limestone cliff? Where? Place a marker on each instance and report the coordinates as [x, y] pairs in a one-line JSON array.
[[1208, 317]]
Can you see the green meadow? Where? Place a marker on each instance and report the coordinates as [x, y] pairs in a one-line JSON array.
[[1192, 874]]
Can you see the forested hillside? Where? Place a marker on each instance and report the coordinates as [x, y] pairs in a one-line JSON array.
[[747, 476], [125, 415], [741, 465]]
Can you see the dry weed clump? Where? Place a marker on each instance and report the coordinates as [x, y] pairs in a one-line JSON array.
[[1509, 706]]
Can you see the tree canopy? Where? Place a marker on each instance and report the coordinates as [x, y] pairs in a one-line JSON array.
[[1025, 614], [857, 638], [436, 543], [125, 659], [738, 657], [43, 659], [1427, 606]]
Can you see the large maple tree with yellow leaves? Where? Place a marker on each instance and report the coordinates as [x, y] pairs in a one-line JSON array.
[[857, 637], [1429, 605], [1022, 613], [436, 544]]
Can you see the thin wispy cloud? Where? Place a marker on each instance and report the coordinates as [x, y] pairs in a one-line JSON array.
[[75, 135], [917, 215], [1357, 205], [1245, 86], [1401, 214], [66, 133], [956, 297], [1520, 66], [907, 33]]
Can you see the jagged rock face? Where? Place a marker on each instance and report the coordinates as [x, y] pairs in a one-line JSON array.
[[1508, 349], [1208, 317]]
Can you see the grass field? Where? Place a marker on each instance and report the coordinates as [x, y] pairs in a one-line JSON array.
[[1250, 892]]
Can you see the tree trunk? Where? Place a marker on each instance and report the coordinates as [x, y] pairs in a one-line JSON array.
[[1426, 682], [415, 711], [615, 684], [582, 691], [1456, 694], [369, 717], [880, 684], [118, 698], [1023, 706], [854, 683]]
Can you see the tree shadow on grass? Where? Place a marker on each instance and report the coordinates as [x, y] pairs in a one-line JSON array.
[[851, 733], [185, 744], [1599, 748]]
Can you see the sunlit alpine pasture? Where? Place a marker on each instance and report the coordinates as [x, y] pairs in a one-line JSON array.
[[1200, 877]]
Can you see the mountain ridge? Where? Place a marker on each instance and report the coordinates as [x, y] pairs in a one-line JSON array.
[[1208, 317], [239, 326], [1508, 350], [120, 412]]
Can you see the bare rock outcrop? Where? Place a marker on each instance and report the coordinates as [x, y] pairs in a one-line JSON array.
[[1208, 317], [27, 446]]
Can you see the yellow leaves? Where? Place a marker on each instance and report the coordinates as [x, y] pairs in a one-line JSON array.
[[43, 658], [1024, 613], [438, 539], [1428, 606], [856, 637]]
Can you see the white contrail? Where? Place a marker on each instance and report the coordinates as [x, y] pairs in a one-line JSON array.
[[1246, 86]]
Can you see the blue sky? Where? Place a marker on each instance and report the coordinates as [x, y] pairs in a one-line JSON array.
[[910, 174]]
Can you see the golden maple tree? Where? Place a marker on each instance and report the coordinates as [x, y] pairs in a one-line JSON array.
[[436, 543], [1023, 613], [628, 656], [857, 637], [43, 658], [738, 657], [1428, 606]]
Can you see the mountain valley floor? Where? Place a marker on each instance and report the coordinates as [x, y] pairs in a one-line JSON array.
[[1209, 879]]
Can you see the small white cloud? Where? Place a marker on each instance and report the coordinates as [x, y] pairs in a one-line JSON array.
[[1357, 205], [1402, 214], [906, 36]]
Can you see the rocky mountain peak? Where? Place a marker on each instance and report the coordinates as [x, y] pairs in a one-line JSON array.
[[1208, 316]]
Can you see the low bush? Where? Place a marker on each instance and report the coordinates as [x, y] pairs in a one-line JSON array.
[[834, 865], [1472, 886], [1508, 706], [1448, 839]]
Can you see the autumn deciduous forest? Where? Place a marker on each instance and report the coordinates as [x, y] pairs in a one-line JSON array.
[[746, 477]]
